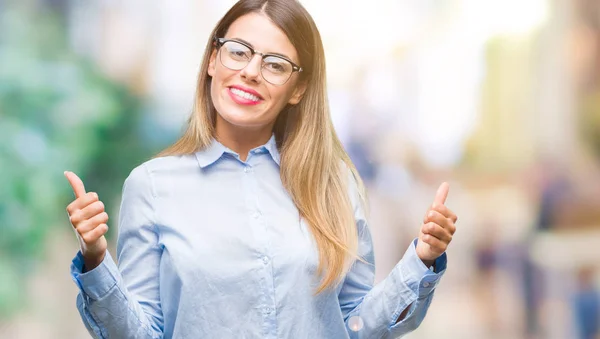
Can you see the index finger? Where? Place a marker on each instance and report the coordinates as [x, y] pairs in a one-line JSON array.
[[441, 194], [76, 184]]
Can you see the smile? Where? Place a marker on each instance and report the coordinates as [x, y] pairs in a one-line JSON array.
[[243, 97]]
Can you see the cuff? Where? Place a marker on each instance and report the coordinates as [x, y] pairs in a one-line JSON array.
[[98, 282], [420, 279]]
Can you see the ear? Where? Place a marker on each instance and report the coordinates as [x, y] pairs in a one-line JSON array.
[[298, 93], [212, 64]]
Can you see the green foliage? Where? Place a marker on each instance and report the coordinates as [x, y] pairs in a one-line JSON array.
[[57, 113]]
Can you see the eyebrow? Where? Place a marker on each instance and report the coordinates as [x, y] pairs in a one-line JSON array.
[[269, 53]]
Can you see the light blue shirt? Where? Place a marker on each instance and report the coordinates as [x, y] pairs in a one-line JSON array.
[[210, 246]]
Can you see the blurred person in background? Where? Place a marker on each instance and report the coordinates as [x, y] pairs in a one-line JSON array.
[[586, 305], [253, 223]]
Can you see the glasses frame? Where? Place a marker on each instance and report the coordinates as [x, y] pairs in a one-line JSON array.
[[219, 42]]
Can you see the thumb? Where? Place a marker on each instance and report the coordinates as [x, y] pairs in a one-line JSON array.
[[76, 184], [441, 194]]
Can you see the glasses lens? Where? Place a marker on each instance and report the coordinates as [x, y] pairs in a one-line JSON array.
[[234, 55], [276, 70]]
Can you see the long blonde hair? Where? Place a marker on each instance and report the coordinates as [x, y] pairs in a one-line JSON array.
[[314, 165]]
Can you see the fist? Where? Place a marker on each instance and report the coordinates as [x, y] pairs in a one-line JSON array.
[[437, 229], [89, 219]]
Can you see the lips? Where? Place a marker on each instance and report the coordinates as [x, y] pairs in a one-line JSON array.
[[243, 98], [245, 91]]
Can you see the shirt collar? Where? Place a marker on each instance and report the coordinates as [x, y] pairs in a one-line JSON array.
[[215, 151], [210, 154], [271, 146]]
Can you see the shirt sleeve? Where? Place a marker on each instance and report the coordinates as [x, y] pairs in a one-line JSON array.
[[372, 311], [124, 301]]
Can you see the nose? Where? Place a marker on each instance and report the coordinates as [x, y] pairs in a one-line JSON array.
[[252, 70]]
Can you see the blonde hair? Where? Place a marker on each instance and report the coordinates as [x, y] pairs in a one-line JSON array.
[[317, 180]]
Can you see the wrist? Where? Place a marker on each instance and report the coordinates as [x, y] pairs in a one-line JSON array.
[[428, 263], [91, 262]]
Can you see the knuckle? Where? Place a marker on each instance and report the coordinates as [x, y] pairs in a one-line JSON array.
[[76, 218], [92, 196], [89, 237], [98, 206], [103, 229], [86, 238], [81, 232], [439, 216]]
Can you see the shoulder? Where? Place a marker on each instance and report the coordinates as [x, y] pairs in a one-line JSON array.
[[166, 164], [145, 175]]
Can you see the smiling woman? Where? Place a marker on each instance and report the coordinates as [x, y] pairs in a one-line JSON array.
[[252, 225], [243, 76]]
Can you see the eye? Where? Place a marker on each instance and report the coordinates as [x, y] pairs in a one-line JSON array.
[[238, 54], [237, 51], [274, 67], [277, 65]]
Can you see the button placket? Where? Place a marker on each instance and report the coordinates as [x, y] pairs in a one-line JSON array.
[[257, 220]]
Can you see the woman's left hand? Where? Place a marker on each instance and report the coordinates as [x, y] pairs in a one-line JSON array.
[[437, 229]]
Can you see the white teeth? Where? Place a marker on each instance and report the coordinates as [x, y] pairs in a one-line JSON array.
[[243, 94]]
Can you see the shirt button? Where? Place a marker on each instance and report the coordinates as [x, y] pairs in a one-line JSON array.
[[256, 215], [426, 284], [268, 310], [265, 259], [245, 169]]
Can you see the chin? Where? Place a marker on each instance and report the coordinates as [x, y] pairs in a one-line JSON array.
[[251, 117], [242, 120]]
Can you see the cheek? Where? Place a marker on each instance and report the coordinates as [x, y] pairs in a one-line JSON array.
[[217, 83], [281, 95], [214, 92]]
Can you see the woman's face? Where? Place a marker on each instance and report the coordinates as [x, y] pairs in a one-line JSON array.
[[258, 110]]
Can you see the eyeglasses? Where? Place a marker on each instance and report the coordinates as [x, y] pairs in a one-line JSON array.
[[236, 55]]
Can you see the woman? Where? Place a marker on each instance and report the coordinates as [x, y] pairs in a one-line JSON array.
[[252, 224]]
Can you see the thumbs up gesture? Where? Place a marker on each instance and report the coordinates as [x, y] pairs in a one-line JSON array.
[[89, 219], [438, 228]]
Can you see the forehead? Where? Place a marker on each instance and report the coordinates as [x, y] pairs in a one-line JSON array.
[[263, 34]]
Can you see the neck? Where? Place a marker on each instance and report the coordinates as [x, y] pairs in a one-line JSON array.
[[240, 139]]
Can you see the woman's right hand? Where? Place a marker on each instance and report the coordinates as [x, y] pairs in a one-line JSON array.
[[89, 220]]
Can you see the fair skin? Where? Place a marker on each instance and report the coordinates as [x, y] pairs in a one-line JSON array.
[[436, 231], [241, 128]]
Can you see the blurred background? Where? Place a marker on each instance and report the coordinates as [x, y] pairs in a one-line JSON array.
[[499, 97]]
